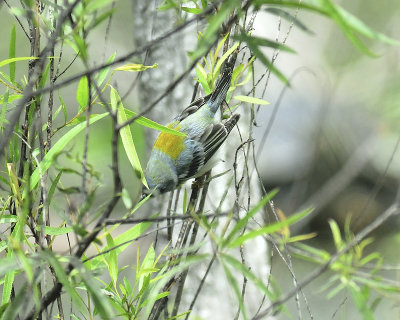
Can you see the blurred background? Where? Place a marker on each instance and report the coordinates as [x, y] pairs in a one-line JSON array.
[[328, 141]]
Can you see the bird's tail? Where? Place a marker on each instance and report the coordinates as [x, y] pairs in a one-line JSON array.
[[221, 88]]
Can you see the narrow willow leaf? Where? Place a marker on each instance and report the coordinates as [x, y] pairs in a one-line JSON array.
[[192, 10], [8, 264], [63, 278], [112, 261], [43, 78], [58, 147], [211, 32], [361, 303], [100, 300], [8, 61], [289, 17], [163, 278], [7, 286], [219, 47], [234, 284], [335, 15], [271, 228], [151, 124], [291, 4], [251, 100], [8, 218], [4, 109], [15, 187], [224, 58], [337, 237], [324, 255], [359, 26], [97, 4], [54, 231], [103, 73], [53, 188], [202, 78], [126, 136], [81, 45], [254, 45], [246, 271], [242, 222], [82, 93], [16, 304], [302, 237], [122, 241], [135, 67], [11, 53]]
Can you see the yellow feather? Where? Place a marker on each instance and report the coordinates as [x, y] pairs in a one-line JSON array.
[[170, 144]]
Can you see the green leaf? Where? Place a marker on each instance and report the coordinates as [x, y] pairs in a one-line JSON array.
[[57, 148], [54, 231], [63, 278], [359, 26], [126, 199], [99, 19], [246, 271], [112, 260], [192, 10], [80, 43], [64, 107], [94, 5], [7, 286], [234, 284], [8, 61], [265, 43], [4, 108], [214, 24], [335, 15], [251, 100], [122, 241], [163, 278], [135, 67], [289, 17], [16, 304], [361, 302], [224, 58], [291, 4], [126, 136], [202, 78], [254, 43], [103, 73], [53, 188], [336, 234], [8, 218], [8, 264], [82, 93], [242, 222], [98, 296], [11, 53], [271, 228], [43, 78]]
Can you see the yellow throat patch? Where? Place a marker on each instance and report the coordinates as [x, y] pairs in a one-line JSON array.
[[170, 144]]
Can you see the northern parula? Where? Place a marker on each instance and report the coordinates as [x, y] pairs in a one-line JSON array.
[[175, 159]]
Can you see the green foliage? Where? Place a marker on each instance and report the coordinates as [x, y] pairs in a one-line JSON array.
[[54, 191]]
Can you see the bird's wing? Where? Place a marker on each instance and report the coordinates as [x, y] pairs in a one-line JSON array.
[[215, 135], [195, 165]]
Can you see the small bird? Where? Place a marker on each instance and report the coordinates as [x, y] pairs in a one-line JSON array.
[[175, 159]]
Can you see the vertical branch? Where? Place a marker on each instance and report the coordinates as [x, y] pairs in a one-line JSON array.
[[86, 146]]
